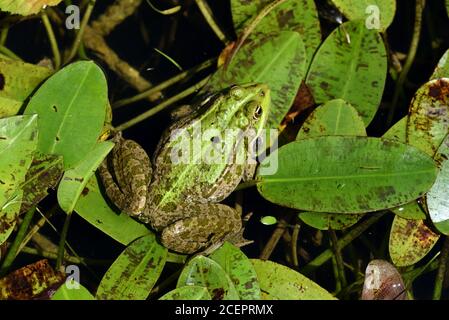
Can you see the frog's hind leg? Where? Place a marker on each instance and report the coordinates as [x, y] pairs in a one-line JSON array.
[[208, 224]]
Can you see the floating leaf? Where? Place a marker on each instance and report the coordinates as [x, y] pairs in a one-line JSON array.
[[93, 207], [73, 291], [74, 180], [26, 7], [354, 72], [410, 241], [71, 106], [239, 269], [300, 16], [268, 220], [377, 14], [347, 174], [277, 282], [442, 69], [398, 131], [437, 197], [428, 121], [187, 293], [326, 221], [410, 210], [205, 272], [17, 81], [44, 173], [278, 61], [18, 141], [30, 281], [134, 273], [334, 118]]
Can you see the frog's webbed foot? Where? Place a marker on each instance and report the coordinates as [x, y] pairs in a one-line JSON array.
[[126, 174]]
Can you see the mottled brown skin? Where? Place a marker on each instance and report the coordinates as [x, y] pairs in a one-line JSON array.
[[182, 198]]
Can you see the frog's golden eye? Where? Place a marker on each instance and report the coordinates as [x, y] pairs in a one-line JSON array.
[[257, 112]]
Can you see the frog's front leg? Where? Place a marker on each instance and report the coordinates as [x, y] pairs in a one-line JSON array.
[[126, 174], [206, 225]]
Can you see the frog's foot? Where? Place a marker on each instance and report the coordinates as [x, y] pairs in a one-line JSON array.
[[206, 225]]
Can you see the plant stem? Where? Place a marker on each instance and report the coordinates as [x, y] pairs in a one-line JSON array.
[[52, 39], [209, 16], [7, 52], [420, 4], [294, 245], [444, 259], [13, 250], [163, 105], [274, 239], [164, 84], [343, 242], [62, 240], [4, 35], [338, 258], [80, 33]]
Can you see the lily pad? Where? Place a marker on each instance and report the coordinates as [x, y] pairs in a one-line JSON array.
[[74, 180], [410, 241], [204, 272], [26, 7], [17, 81], [276, 60], [378, 14], [239, 269], [278, 282], [134, 273], [335, 117], [354, 71], [338, 174], [428, 120], [410, 210], [292, 15], [326, 221], [187, 293], [72, 107]]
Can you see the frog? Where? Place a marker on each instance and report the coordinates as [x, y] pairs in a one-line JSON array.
[[180, 199]]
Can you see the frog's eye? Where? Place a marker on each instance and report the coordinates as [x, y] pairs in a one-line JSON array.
[[257, 112]]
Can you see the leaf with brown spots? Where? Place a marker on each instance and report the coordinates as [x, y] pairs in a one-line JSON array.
[[26, 7], [326, 221], [17, 81], [239, 269], [134, 273], [204, 272], [187, 293], [278, 282], [354, 71], [29, 282], [410, 241]]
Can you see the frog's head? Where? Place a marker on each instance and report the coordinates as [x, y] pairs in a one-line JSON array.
[[244, 107]]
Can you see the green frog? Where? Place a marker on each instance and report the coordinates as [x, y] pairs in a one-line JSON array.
[[200, 160]]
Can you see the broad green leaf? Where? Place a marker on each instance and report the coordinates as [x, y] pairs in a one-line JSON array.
[[239, 269], [8, 216], [26, 7], [71, 106], [377, 14], [73, 291], [134, 273], [398, 131], [326, 221], [17, 81], [354, 72], [278, 61], [442, 69], [18, 141], [187, 293], [204, 272], [334, 118], [292, 15], [428, 120], [437, 197], [93, 207], [347, 174], [277, 282], [411, 211], [74, 180], [410, 241], [44, 173]]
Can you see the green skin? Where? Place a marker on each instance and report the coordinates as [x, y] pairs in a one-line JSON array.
[[182, 199]]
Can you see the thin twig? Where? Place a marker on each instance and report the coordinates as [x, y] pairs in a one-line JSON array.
[[163, 105], [62, 240], [294, 245], [444, 260], [52, 39], [274, 239], [7, 52], [338, 259], [210, 19], [420, 4]]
